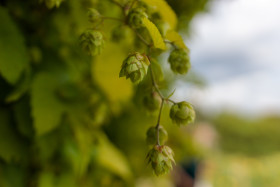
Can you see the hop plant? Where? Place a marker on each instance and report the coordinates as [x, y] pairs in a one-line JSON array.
[[161, 159], [135, 17], [151, 136], [135, 67], [182, 113], [93, 15], [152, 101], [179, 61], [92, 42]]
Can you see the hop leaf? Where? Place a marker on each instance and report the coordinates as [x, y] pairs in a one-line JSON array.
[[154, 33], [182, 113], [174, 37], [93, 15], [152, 101], [135, 18], [92, 42], [161, 159], [151, 136], [179, 61], [135, 67]]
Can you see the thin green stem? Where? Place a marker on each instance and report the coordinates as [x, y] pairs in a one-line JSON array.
[[158, 121]]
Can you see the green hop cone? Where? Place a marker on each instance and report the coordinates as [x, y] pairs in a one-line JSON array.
[[182, 113], [152, 101], [92, 42], [161, 159], [93, 15], [135, 67], [151, 136], [135, 17], [179, 61]]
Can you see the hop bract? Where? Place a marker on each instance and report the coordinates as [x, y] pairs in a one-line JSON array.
[[135, 17], [179, 61], [93, 15], [92, 42], [152, 136], [182, 113], [152, 101], [135, 67], [161, 159]]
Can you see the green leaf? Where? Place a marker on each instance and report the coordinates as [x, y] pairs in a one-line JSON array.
[[157, 71], [112, 159], [46, 107], [154, 33], [13, 54], [165, 11], [170, 95], [174, 37], [12, 147]]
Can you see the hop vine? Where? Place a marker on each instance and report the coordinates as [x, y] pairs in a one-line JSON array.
[[137, 65]]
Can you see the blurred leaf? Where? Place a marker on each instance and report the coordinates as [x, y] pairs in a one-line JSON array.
[[106, 70], [157, 71], [154, 33], [165, 11], [12, 147], [21, 87], [22, 114], [46, 108], [13, 54], [112, 159], [174, 37], [46, 179]]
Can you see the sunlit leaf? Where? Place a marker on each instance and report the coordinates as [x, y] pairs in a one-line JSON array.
[[165, 11], [112, 159], [174, 37], [154, 33]]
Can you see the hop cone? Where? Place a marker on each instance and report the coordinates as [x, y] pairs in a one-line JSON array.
[[161, 159], [152, 136], [182, 113], [135, 67], [92, 42], [135, 17], [179, 61]]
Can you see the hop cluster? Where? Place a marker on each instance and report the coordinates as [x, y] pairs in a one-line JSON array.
[[92, 41], [182, 113], [93, 15], [135, 67], [179, 61], [135, 17], [152, 136], [152, 101], [161, 159]]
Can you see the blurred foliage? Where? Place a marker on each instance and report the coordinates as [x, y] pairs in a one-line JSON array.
[[252, 137], [66, 119]]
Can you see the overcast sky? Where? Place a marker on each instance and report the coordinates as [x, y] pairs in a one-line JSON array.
[[236, 47]]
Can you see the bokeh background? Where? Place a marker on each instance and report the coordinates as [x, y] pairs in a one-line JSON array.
[[67, 120]]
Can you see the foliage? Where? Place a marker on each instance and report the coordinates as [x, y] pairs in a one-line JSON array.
[[66, 119]]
